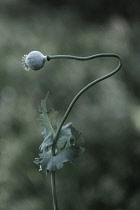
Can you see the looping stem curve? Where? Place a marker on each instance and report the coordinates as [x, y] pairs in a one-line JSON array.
[[74, 101], [87, 86]]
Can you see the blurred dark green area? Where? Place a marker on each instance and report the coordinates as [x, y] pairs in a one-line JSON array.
[[107, 175]]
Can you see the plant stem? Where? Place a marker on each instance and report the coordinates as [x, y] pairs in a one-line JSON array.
[[87, 86], [53, 186], [55, 206], [74, 101]]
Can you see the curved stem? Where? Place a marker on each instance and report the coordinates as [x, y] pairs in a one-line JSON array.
[[50, 57], [74, 101], [87, 86]]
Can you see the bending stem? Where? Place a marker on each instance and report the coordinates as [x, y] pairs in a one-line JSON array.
[[74, 101], [87, 86]]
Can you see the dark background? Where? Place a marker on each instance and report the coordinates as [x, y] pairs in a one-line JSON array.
[[107, 175]]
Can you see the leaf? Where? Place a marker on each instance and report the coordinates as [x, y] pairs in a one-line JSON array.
[[43, 159], [64, 137], [48, 142], [68, 155], [69, 136], [49, 121], [56, 162], [48, 118], [53, 117], [77, 138], [43, 108], [68, 146]]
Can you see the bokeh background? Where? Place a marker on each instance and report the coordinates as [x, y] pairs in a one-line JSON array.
[[108, 174]]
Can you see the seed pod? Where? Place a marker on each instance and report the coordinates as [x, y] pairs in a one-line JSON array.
[[35, 60]]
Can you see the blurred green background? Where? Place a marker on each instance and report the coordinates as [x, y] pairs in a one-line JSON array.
[[107, 175]]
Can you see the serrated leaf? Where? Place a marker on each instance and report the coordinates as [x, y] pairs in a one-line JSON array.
[[56, 162], [49, 121], [64, 137], [48, 118], [77, 138], [48, 142], [43, 159], [68, 155], [43, 108], [68, 146], [69, 136], [53, 116]]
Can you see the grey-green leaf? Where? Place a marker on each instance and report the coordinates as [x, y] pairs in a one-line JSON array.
[[48, 142], [43, 108], [77, 138], [48, 118], [68, 146], [56, 162], [53, 117], [68, 155], [43, 159], [64, 137]]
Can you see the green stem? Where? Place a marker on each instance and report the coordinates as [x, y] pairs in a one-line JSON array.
[[55, 206], [53, 186], [74, 101], [87, 86]]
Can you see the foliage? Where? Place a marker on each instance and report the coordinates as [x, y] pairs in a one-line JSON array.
[[68, 145]]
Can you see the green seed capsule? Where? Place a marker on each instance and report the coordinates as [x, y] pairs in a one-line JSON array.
[[35, 60]]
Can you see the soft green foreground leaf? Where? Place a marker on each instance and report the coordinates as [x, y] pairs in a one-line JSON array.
[[49, 121], [68, 149], [69, 136], [48, 118], [64, 137], [77, 139], [68, 146], [47, 142], [56, 162]]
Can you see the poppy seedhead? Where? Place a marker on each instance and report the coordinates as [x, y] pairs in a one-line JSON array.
[[35, 60]]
